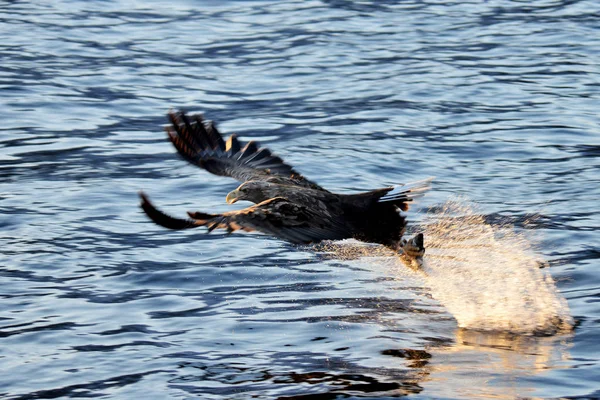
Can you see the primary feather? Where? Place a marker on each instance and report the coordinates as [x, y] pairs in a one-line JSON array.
[[200, 143]]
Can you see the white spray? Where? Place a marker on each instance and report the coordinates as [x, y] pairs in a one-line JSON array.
[[488, 276]]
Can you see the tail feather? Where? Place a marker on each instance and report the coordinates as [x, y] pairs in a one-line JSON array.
[[407, 193]]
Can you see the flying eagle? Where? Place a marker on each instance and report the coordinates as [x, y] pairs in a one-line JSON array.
[[286, 204]]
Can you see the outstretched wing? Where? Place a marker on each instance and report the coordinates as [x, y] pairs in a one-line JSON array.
[[200, 143], [278, 217]]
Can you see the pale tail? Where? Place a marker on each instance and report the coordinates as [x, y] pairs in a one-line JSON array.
[[407, 192]]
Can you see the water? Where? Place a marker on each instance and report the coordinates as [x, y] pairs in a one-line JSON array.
[[497, 99]]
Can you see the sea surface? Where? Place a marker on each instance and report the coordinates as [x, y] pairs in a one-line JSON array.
[[498, 100]]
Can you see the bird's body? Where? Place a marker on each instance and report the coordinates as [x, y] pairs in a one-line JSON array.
[[287, 205]]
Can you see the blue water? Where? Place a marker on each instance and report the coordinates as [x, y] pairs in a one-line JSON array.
[[496, 99]]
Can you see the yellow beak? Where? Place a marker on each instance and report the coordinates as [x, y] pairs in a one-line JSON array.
[[232, 197]]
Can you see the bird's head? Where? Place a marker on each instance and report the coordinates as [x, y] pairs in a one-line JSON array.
[[254, 191]]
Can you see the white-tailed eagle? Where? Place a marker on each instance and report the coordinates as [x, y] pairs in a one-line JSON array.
[[286, 204]]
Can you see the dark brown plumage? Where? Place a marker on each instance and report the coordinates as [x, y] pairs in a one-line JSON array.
[[287, 205]]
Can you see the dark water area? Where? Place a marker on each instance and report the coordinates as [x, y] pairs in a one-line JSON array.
[[497, 99]]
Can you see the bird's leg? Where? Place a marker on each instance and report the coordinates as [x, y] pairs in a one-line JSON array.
[[412, 250]]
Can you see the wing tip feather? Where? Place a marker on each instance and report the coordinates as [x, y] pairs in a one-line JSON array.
[[162, 219]]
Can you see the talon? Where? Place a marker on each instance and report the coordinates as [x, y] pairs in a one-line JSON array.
[[414, 247]]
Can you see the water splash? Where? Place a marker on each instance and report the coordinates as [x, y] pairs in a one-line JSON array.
[[350, 249], [488, 276]]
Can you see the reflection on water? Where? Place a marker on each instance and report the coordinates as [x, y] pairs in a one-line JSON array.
[[323, 379], [509, 367]]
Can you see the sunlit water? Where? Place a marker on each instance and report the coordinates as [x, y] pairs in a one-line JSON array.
[[497, 99]]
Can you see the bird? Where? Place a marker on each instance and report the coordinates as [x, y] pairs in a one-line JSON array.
[[286, 204]]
